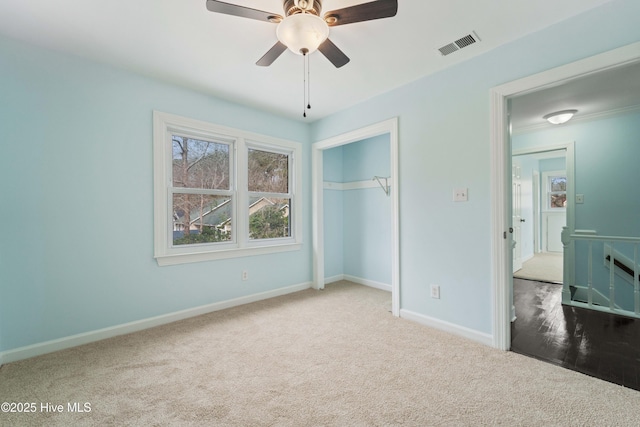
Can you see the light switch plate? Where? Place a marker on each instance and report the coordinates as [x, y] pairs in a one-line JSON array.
[[460, 195], [579, 198]]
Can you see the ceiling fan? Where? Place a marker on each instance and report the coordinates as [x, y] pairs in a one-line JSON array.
[[303, 31]]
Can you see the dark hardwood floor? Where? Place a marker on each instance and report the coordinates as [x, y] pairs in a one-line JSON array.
[[599, 344]]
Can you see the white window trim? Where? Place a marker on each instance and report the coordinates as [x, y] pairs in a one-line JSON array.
[[165, 254], [546, 176]]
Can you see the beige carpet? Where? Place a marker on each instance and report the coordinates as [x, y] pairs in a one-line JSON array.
[[544, 266], [315, 358]]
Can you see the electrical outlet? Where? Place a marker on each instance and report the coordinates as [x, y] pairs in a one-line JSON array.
[[245, 275], [435, 291]]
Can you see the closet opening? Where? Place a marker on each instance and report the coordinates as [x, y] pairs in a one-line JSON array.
[[355, 209]]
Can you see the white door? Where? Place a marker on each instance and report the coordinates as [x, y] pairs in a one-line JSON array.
[[516, 217]]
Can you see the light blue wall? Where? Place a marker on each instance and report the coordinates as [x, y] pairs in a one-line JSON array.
[[366, 158], [606, 156], [367, 212], [358, 222], [76, 184], [444, 143], [76, 161], [333, 171], [332, 164]]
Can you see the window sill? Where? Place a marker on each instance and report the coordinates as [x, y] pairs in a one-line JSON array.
[[185, 258]]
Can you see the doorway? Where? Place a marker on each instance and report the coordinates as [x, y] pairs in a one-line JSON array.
[[540, 209], [390, 128], [502, 257], [357, 206]]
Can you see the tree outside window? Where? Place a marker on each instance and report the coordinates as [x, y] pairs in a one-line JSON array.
[[202, 205], [222, 193], [269, 195], [557, 192]]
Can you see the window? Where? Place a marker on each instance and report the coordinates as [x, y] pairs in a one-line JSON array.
[[269, 196], [222, 192], [556, 190], [201, 192]]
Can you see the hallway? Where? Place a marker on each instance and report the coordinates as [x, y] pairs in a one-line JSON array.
[[543, 266], [594, 343]]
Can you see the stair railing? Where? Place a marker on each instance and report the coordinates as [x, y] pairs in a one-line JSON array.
[[569, 241]]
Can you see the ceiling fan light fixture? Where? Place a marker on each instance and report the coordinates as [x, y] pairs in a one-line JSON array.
[[302, 32], [560, 117]]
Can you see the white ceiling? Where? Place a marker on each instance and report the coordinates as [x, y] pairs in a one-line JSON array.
[[612, 91], [180, 41]]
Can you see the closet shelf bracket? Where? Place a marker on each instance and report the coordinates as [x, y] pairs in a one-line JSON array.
[[385, 186]]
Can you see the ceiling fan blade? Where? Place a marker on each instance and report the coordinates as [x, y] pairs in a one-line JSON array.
[[273, 54], [333, 54], [244, 12], [362, 12]]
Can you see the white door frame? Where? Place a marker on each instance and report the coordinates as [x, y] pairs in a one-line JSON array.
[[570, 203], [570, 170], [536, 211], [501, 170], [317, 185]]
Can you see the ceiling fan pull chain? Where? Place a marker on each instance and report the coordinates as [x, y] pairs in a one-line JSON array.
[[308, 82], [304, 82]]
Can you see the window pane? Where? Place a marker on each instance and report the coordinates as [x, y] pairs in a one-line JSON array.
[[558, 183], [268, 172], [201, 218], [558, 200], [269, 218], [200, 164]]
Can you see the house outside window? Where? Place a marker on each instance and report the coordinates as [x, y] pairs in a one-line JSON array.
[[201, 190], [222, 192], [269, 195]]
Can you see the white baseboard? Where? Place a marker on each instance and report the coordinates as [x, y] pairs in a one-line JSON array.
[[366, 282], [358, 280], [452, 328], [333, 279], [126, 328]]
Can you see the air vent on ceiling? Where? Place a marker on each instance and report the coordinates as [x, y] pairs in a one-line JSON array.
[[459, 44]]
